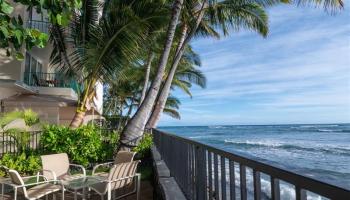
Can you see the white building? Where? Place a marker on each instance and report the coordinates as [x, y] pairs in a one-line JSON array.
[[34, 83]]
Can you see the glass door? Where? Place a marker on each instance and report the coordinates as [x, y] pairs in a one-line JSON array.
[[32, 71], [27, 76]]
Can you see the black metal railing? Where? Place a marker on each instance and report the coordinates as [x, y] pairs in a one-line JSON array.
[[40, 79], [13, 142], [41, 25], [205, 172]]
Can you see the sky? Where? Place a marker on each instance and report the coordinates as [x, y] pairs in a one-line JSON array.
[[300, 73]]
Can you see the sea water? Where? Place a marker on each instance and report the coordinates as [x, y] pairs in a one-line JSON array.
[[319, 151]]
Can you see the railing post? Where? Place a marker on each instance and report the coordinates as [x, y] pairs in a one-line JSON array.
[[257, 185], [275, 188], [210, 175], [243, 180], [223, 178], [300, 194], [216, 177], [232, 180]]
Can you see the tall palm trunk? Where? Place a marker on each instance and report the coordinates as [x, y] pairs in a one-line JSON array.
[[163, 96], [134, 129], [147, 73]]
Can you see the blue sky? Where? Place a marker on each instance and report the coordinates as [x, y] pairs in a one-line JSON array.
[[299, 74]]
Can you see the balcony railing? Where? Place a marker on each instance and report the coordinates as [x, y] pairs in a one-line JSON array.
[[42, 26], [39, 79], [204, 172]]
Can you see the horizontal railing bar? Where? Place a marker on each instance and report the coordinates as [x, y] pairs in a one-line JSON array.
[[304, 182]]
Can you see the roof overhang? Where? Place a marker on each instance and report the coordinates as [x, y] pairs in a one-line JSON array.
[[23, 100], [17, 86]]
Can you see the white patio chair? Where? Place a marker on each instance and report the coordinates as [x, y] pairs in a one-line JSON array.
[[121, 157], [57, 167], [36, 190], [120, 176]]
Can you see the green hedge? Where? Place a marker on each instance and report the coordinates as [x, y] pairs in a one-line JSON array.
[[84, 145], [24, 164]]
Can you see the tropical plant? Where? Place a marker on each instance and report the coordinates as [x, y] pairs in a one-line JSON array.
[[23, 163], [19, 135], [134, 129], [13, 33], [84, 145], [103, 46], [220, 14]]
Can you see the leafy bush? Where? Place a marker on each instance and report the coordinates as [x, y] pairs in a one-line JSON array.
[[29, 116], [84, 145], [144, 147], [24, 164]]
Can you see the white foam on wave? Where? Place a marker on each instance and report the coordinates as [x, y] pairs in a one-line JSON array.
[[267, 143], [305, 146]]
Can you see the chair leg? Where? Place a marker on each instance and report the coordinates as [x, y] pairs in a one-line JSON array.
[[15, 194], [109, 197], [102, 197], [62, 194], [138, 187]]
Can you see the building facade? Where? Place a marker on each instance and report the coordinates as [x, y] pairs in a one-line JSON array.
[[34, 83]]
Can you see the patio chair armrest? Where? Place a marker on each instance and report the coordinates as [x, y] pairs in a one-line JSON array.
[[79, 166], [50, 171], [127, 177], [100, 165], [33, 184]]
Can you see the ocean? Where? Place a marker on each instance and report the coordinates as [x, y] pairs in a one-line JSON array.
[[320, 151]]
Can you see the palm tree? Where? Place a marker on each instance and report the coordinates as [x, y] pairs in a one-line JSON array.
[[103, 46], [171, 107], [134, 129], [248, 15]]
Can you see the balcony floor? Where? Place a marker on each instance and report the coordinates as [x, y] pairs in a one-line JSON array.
[[146, 193]]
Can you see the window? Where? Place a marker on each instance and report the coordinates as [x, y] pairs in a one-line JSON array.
[[32, 69]]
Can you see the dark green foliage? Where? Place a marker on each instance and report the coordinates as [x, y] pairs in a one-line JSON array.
[[144, 147], [25, 164], [84, 145], [14, 34]]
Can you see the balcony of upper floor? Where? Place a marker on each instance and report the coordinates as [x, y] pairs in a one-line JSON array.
[[52, 84]]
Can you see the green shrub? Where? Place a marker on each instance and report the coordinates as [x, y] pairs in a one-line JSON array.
[[24, 164], [84, 145], [30, 117], [144, 147]]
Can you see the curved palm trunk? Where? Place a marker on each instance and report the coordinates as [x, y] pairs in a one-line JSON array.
[[81, 109], [147, 73], [77, 119], [134, 129], [163, 96]]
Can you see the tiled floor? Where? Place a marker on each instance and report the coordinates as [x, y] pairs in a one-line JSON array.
[[146, 193]]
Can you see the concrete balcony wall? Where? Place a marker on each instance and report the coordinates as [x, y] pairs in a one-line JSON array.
[[56, 91]]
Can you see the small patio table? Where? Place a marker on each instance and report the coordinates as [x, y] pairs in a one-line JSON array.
[[81, 183]]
